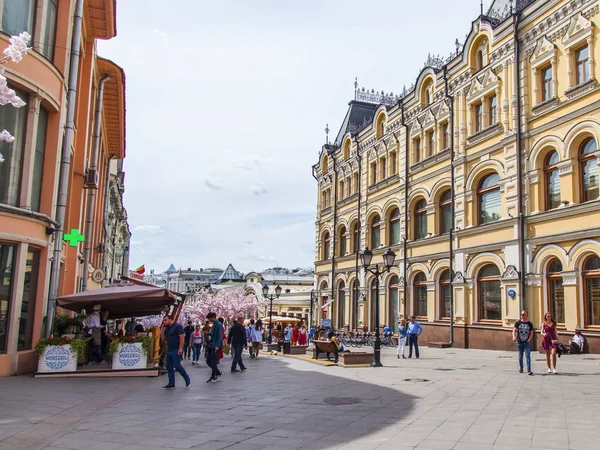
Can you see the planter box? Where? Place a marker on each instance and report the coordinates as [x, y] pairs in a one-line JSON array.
[[129, 356], [58, 358], [298, 349], [359, 358]]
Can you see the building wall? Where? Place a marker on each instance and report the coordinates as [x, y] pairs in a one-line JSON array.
[[486, 250]]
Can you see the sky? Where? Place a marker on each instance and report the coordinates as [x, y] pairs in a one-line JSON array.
[[227, 103]]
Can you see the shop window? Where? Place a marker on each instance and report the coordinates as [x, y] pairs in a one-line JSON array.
[[588, 163], [375, 233], [490, 299], [556, 294], [420, 216], [7, 274], [393, 301], [446, 212], [489, 199], [445, 294], [420, 294], [591, 278], [552, 181], [14, 120], [395, 226]]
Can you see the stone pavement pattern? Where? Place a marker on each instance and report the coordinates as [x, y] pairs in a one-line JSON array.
[[447, 399]]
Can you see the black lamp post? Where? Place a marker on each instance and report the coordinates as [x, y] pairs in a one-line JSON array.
[[388, 260], [265, 291], [312, 301]]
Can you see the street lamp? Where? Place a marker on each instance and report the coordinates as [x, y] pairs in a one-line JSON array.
[[312, 301], [366, 256], [265, 291]]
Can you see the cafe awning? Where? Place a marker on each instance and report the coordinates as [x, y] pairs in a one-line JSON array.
[[121, 300]]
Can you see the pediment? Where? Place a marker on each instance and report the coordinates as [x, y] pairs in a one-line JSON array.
[[579, 27], [443, 109], [427, 119], [489, 78], [476, 86], [544, 50]]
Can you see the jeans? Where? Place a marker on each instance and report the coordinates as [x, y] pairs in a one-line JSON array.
[[238, 351], [212, 360], [95, 350], [413, 339], [526, 348], [197, 349], [401, 346], [187, 349], [174, 364]]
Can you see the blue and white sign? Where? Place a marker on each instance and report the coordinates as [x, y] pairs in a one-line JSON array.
[[511, 293], [129, 356], [57, 358]]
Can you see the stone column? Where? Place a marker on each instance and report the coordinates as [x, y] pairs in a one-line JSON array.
[[431, 306], [590, 43], [33, 115], [570, 68]]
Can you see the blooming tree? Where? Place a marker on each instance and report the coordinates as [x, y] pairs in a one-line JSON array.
[[152, 321], [14, 52], [227, 303]]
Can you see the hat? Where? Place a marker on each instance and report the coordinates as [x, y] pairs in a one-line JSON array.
[[97, 307], [577, 328]]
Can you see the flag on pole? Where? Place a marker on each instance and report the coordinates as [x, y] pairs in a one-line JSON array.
[[141, 269]]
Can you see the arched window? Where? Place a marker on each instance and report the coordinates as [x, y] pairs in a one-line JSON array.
[[556, 295], [355, 304], [395, 227], [420, 215], [445, 289], [375, 232], [324, 164], [446, 212], [490, 299], [591, 281], [341, 298], [489, 199], [343, 241], [588, 163], [372, 301], [479, 60], [380, 126], [552, 181], [420, 295], [393, 301], [326, 245], [355, 237], [347, 149]]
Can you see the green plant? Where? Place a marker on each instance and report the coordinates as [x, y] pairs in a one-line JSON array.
[[78, 345], [145, 340], [63, 324]]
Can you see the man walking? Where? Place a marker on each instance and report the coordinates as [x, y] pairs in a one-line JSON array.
[[172, 332], [522, 335], [249, 337], [237, 340], [215, 344], [414, 331], [187, 344]]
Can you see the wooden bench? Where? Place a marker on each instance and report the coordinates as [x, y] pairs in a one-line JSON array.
[[325, 347]]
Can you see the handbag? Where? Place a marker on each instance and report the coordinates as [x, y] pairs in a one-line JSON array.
[[226, 349]]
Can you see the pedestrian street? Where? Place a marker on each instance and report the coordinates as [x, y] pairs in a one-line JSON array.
[[447, 399]]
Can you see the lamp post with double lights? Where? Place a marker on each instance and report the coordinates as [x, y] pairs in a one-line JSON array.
[[312, 301], [265, 291], [366, 256]]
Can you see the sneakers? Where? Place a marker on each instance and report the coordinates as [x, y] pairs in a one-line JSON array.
[[219, 374], [554, 371], [550, 371], [188, 382], [243, 369], [211, 379], [520, 370], [234, 370], [193, 363], [168, 386], [529, 372]]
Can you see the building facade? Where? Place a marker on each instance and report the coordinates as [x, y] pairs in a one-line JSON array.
[[30, 172], [482, 177]]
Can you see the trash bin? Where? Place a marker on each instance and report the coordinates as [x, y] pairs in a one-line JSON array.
[[286, 347]]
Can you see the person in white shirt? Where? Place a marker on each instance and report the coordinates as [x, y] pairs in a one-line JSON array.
[[92, 322], [577, 342]]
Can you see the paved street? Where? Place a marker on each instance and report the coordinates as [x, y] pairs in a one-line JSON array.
[[448, 399]]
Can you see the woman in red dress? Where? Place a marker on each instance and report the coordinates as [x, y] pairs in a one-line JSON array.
[[295, 334], [550, 341], [302, 337]]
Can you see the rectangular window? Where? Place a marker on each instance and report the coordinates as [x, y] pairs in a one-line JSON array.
[[557, 299], [50, 29], [547, 88], [493, 110], [17, 16], [446, 303], [583, 65], [491, 300], [430, 142], [348, 187], [29, 296], [445, 135], [382, 168], [13, 120], [373, 173], [376, 237], [417, 147], [355, 183], [7, 272], [421, 301], [38, 160], [393, 163], [341, 189], [478, 117]]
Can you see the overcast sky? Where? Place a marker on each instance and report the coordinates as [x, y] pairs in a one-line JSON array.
[[227, 103]]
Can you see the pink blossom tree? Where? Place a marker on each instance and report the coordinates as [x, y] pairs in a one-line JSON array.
[[227, 303], [14, 52]]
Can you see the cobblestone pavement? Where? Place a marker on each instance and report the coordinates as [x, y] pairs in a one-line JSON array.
[[447, 399]]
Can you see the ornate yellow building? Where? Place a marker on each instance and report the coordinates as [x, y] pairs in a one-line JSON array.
[[488, 210]]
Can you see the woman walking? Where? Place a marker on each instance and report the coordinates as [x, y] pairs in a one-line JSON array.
[[550, 340], [197, 339], [257, 337], [303, 336], [401, 339]]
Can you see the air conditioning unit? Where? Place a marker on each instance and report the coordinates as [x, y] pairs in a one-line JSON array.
[[91, 179]]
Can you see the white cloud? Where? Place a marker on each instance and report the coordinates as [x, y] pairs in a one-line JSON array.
[[252, 162], [150, 229], [259, 189], [214, 185]]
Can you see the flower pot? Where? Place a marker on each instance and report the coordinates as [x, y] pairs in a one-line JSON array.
[[58, 358], [129, 356]]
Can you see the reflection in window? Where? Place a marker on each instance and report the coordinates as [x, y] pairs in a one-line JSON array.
[[489, 199], [589, 170], [342, 304], [17, 16], [7, 259], [326, 246], [552, 181], [490, 300]]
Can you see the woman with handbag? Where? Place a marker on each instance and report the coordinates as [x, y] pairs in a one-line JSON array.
[[257, 337], [549, 341]]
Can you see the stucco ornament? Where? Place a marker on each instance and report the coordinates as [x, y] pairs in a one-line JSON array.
[[14, 52]]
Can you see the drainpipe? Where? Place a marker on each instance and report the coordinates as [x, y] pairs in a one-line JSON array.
[[335, 195], [452, 207], [404, 243], [516, 18], [358, 232], [87, 244], [65, 166]]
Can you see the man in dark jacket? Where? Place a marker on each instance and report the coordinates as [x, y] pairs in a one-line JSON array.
[[215, 344], [237, 340], [187, 347]]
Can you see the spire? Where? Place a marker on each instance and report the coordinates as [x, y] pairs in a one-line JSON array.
[[327, 134]]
